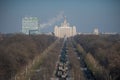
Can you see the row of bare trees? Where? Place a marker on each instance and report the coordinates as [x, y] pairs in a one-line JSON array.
[[48, 64], [75, 71], [17, 50], [102, 54]]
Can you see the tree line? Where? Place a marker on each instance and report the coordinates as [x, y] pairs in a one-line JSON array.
[[104, 51], [17, 50]]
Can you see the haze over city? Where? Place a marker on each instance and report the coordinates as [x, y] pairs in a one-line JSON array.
[[84, 14]]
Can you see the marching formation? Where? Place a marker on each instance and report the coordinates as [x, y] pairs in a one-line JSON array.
[[62, 67]]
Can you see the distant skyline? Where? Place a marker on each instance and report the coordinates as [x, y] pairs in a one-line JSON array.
[[84, 14]]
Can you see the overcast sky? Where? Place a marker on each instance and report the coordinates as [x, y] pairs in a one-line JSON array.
[[84, 14]]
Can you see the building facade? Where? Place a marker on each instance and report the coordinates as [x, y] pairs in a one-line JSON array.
[[96, 31], [30, 25], [64, 30]]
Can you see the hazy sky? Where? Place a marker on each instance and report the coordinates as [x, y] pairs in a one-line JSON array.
[[84, 14]]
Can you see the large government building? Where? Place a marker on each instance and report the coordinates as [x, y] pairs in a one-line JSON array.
[[64, 30]]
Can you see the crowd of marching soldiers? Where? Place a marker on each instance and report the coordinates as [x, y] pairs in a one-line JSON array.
[[62, 66]]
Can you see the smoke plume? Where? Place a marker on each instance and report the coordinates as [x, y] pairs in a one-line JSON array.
[[53, 20]]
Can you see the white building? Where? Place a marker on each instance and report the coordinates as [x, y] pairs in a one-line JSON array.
[[30, 25], [96, 31], [64, 30]]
